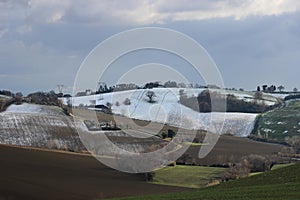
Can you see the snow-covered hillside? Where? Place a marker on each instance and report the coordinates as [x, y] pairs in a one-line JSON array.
[[34, 109], [167, 109], [279, 95], [39, 126], [47, 127]]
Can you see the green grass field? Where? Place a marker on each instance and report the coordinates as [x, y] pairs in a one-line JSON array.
[[279, 166], [275, 167], [280, 123], [188, 176], [282, 183]]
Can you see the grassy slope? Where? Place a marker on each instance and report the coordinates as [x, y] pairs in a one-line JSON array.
[[188, 176], [280, 123], [283, 183]]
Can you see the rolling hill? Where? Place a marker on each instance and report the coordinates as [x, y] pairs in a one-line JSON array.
[[38, 126], [280, 123], [283, 183], [168, 110]]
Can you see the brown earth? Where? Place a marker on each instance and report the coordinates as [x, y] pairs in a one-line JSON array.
[[37, 174], [230, 149], [122, 122]]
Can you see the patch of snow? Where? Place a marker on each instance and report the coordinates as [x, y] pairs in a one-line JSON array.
[[267, 130], [33, 109], [281, 123], [268, 122]]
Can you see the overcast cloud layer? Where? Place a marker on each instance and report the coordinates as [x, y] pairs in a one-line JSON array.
[[43, 42]]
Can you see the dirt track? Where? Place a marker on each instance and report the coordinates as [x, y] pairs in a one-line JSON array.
[[37, 174]]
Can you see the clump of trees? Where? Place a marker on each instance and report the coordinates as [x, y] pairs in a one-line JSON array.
[[170, 134], [14, 98], [44, 98], [294, 143], [170, 84], [203, 103], [237, 171], [273, 88], [7, 93], [104, 89], [237, 105], [266, 88], [191, 102], [152, 85], [4, 103], [251, 163]]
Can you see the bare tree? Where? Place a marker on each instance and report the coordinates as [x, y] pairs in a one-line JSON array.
[[295, 90], [294, 141], [127, 102], [258, 95], [280, 88], [150, 95], [237, 171]]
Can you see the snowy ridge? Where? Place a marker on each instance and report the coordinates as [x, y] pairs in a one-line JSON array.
[[34, 109], [167, 109]]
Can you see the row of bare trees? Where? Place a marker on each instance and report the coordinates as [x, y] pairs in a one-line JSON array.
[[248, 164]]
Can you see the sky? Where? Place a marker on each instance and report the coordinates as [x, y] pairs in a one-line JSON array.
[[44, 42]]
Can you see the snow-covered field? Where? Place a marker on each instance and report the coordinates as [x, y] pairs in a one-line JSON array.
[[168, 110], [47, 127], [280, 96], [37, 125], [34, 109]]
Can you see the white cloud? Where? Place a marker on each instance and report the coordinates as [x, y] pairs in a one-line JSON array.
[[41, 11], [139, 12], [238, 9]]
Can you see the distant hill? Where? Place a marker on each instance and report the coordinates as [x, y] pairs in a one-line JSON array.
[[165, 107], [280, 123]]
